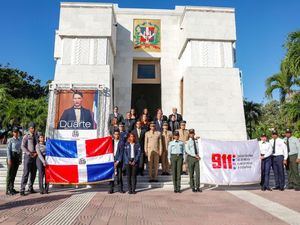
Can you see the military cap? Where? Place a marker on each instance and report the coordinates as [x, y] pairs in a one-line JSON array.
[[263, 135], [15, 129], [165, 123], [191, 131], [288, 130], [152, 123], [176, 133], [274, 132], [31, 124], [183, 122]]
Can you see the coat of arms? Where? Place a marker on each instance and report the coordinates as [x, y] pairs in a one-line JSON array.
[[146, 35]]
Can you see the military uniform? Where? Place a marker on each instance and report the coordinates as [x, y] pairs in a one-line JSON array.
[[153, 148], [40, 163], [293, 148], [166, 138], [175, 156], [28, 147], [184, 137], [14, 154], [192, 151]]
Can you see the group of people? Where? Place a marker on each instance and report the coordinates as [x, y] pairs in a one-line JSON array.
[[34, 149], [277, 154], [145, 140]]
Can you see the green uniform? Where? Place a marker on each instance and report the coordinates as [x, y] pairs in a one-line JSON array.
[[192, 151], [293, 146], [176, 155], [14, 154]]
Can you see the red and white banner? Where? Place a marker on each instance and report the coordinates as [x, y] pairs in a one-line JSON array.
[[230, 162]]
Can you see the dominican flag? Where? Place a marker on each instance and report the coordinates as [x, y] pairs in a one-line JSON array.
[[80, 161]]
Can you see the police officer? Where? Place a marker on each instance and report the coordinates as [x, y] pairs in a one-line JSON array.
[[193, 158], [41, 164], [266, 162], [28, 147], [175, 156], [14, 159], [279, 157], [293, 147]]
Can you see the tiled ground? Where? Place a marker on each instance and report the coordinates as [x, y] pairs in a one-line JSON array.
[[149, 207]]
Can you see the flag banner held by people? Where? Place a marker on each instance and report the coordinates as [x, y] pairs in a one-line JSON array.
[[230, 162], [79, 162]]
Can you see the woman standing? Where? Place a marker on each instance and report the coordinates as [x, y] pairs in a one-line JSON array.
[[41, 164], [131, 158]]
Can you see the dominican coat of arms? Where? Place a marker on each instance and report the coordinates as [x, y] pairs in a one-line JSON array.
[[146, 35]]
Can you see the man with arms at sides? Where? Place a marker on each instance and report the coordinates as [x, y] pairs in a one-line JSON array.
[[266, 162], [184, 137], [280, 155], [173, 124], [166, 137], [77, 117], [117, 115], [159, 121], [118, 146], [153, 149], [123, 132], [131, 156], [139, 135], [293, 147], [178, 116], [129, 123]]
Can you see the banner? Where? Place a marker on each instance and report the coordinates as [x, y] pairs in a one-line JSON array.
[[80, 161], [230, 162]]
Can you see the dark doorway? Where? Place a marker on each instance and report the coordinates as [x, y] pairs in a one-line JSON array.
[[146, 96]]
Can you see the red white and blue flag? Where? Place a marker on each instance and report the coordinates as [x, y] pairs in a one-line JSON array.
[[80, 161]]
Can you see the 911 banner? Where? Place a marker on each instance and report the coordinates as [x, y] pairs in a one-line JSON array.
[[230, 162]]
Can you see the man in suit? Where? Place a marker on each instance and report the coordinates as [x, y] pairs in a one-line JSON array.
[[184, 137], [123, 132], [178, 117], [139, 134], [164, 117], [153, 149], [77, 117], [166, 137], [118, 146], [159, 122], [117, 115], [129, 123], [173, 124]]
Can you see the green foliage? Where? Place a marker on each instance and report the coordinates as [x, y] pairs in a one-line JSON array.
[[252, 114], [292, 46]]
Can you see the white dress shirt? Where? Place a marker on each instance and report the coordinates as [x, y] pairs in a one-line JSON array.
[[116, 142], [132, 151], [265, 148], [280, 148]]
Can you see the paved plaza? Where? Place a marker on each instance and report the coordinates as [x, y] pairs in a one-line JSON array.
[[215, 205]]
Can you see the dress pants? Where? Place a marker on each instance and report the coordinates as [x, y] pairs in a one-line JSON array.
[[165, 162], [131, 177], [153, 165], [194, 168], [265, 171], [293, 172], [29, 168], [176, 164], [42, 178], [278, 171], [12, 172], [118, 178]]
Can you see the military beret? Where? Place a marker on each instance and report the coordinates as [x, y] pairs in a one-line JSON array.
[[31, 124], [183, 122], [165, 123], [288, 130], [176, 133], [191, 131], [15, 129]]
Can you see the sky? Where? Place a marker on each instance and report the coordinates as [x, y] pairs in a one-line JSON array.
[[28, 27]]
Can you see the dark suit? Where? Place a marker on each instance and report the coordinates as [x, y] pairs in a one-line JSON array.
[[141, 140], [131, 169], [178, 117], [118, 169], [119, 118], [159, 125], [129, 124], [69, 117], [123, 136], [173, 126]]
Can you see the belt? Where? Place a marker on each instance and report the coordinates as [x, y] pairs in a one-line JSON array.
[[176, 154]]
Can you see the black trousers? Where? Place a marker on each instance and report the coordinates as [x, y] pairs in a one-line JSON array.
[[42, 179], [265, 171], [131, 177], [278, 171], [29, 168], [141, 163], [118, 178], [12, 171]]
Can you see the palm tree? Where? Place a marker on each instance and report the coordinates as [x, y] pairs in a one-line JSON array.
[[283, 81], [252, 114], [293, 52], [292, 108]]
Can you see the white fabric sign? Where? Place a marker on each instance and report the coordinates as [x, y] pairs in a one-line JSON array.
[[230, 162]]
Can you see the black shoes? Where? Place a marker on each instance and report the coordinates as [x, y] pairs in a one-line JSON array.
[[196, 190], [31, 191], [22, 193], [122, 192], [110, 192], [130, 192], [199, 190], [177, 191]]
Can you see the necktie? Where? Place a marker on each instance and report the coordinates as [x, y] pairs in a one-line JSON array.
[[288, 144], [274, 146], [195, 147]]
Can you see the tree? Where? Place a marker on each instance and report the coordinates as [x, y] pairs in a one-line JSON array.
[[252, 114], [293, 52], [283, 81]]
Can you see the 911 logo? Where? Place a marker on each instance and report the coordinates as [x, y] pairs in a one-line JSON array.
[[223, 161]]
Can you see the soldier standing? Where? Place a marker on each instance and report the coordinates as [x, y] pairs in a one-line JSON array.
[[293, 147], [184, 137], [28, 146], [166, 137], [175, 157], [153, 149], [14, 159], [193, 159]]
